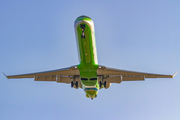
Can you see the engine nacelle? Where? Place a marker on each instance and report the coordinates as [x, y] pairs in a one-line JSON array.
[[107, 85]]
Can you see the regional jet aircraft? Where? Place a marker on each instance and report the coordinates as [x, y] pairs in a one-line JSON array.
[[88, 75]]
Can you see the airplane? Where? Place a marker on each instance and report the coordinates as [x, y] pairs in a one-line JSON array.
[[88, 75]]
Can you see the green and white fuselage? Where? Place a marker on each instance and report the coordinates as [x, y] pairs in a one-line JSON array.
[[85, 36]]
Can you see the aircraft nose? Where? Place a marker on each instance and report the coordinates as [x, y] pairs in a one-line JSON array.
[[91, 94], [83, 18]]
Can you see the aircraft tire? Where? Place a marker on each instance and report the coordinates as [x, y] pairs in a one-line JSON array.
[[105, 84], [76, 84], [100, 84], [72, 84]]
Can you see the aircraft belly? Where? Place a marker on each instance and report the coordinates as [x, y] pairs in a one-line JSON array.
[[89, 82], [86, 45], [87, 51]]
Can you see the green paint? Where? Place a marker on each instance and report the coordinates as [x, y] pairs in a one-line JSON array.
[[87, 66], [88, 63], [91, 94], [83, 18]]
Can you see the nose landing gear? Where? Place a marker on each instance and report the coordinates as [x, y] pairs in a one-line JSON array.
[[82, 36], [83, 26]]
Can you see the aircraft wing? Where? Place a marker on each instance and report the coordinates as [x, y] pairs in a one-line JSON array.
[[60, 75], [112, 75]]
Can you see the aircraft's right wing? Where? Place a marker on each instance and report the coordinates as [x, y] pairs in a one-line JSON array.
[[60, 75], [112, 75]]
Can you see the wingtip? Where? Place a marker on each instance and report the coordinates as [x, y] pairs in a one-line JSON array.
[[174, 74], [4, 74]]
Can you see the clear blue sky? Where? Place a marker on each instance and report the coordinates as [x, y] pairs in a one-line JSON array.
[[133, 35]]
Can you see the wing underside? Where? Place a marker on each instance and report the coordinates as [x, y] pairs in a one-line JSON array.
[[112, 75], [64, 75]]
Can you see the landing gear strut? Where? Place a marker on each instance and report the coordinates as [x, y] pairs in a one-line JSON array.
[[83, 26], [82, 36]]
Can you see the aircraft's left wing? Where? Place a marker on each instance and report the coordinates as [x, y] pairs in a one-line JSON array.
[[60, 75], [112, 75]]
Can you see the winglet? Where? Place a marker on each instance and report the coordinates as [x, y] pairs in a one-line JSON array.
[[4, 74], [174, 74]]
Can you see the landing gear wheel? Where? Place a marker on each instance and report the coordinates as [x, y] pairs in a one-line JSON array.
[[76, 84], [105, 84], [100, 84], [72, 84]]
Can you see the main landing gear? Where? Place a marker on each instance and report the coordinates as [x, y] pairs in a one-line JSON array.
[[102, 83], [74, 83], [83, 26]]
